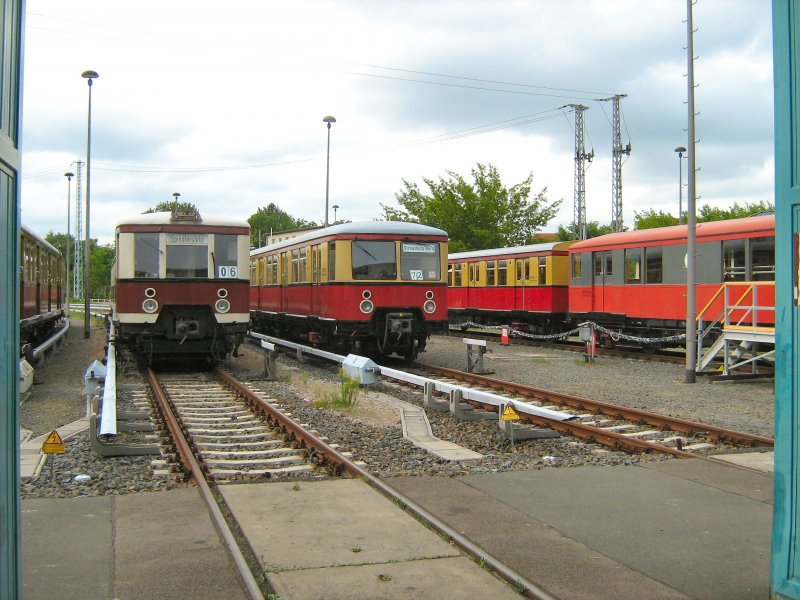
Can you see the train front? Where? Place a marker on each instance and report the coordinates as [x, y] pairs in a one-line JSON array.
[[180, 285]]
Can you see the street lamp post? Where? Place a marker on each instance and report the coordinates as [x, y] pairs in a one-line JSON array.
[[69, 175], [175, 195], [680, 150], [329, 119], [335, 207], [89, 76]]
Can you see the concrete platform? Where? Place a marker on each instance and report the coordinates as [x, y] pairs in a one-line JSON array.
[[340, 539], [667, 530]]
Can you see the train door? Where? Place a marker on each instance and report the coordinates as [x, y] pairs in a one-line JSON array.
[[316, 278], [472, 284], [602, 271]]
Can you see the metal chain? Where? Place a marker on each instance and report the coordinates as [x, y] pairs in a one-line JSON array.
[[615, 335]]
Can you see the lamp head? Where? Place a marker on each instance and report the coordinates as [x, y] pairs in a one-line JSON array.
[[329, 119], [89, 75], [69, 174], [680, 149]]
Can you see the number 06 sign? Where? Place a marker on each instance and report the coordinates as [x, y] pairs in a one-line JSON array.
[[227, 272]]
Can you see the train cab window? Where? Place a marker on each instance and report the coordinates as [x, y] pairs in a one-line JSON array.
[[490, 268], [655, 268], [542, 270], [633, 266], [419, 261], [733, 260], [225, 256], [146, 254], [762, 261], [374, 260], [575, 270], [502, 272]]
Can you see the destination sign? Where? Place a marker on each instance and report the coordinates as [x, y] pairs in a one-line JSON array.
[[419, 248], [187, 239]]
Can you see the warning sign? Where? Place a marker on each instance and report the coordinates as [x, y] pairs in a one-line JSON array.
[[53, 444], [509, 414]]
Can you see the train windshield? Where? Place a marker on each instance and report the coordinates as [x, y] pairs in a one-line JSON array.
[[146, 254], [187, 255], [419, 261], [374, 260]]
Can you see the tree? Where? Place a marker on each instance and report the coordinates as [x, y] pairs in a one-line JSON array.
[[593, 229], [101, 259], [168, 206], [649, 219], [271, 219], [478, 215], [710, 213]]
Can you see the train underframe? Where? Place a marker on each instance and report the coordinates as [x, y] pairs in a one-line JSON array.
[[190, 332], [35, 330], [396, 331]]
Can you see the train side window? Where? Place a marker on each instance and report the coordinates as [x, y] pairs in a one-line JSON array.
[[295, 265], [542, 270], [450, 274], [146, 254], [576, 266], [520, 273], [253, 275], [303, 266], [762, 262], [733, 260], [490, 267], [502, 272], [331, 261], [457, 275], [633, 265], [655, 268]]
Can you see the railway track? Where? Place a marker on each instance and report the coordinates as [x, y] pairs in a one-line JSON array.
[[614, 426]]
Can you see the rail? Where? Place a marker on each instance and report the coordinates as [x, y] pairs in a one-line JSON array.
[[39, 350]]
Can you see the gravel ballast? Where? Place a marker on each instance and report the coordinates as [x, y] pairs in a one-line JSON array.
[[372, 432]]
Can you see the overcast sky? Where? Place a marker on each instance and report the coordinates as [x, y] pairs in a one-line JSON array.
[[223, 102]]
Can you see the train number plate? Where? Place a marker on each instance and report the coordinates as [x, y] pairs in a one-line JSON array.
[[231, 272]]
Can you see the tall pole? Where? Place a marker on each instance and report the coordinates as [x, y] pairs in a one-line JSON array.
[[581, 229], [69, 175], [329, 119], [691, 307], [617, 150], [680, 150], [89, 76]]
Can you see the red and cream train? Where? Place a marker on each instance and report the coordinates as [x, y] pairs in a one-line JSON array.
[[41, 288]]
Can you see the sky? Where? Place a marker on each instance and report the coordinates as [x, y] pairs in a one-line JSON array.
[[222, 102]]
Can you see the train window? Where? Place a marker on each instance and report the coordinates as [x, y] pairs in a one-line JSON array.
[[633, 266], [490, 267], [542, 270], [474, 273], [187, 261], [733, 260], [762, 251], [146, 254], [331, 261], [655, 269], [419, 261], [374, 260], [302, 266], [502, 270], [576, 266], [450, 274], [225, 256], [457, 280], [520, 268], [295, 265], [253, 276], [598, 263]]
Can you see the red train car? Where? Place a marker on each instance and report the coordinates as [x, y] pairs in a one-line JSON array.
[[525, 286], [41, 287], [635, 281], [376, 287], [179, 285]]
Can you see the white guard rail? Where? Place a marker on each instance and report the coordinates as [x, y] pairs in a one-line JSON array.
[[439, 386], [108, 414]]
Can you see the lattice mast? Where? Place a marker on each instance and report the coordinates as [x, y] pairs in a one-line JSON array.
[[77, 264], [580, 173], [616, 165]]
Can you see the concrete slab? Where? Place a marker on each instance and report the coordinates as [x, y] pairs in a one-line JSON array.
[[760, 461], [564, 567], [311, 551], [67, 549], [166, 547], [699, 539]]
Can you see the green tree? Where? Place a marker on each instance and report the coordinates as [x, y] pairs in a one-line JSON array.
[[272, 219], [593, 229], [478, 215], [710, 213], [168, 206], [101, 259], [649, 219]]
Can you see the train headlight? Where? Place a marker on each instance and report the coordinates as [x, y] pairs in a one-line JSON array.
[[150, 292], [366, 306], [222, 293], [429, 294], [150, 305], [429, 307], [366, 294], [222, 305]]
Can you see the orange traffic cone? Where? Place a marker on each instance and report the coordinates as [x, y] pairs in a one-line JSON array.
[[504, 336]]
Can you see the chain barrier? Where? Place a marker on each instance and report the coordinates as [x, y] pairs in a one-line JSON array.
[[615, 335]]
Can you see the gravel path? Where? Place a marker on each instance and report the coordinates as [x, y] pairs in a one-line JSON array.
[[373, 434]]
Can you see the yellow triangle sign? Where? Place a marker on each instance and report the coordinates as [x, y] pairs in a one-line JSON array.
[[509, 414], [53, 444]]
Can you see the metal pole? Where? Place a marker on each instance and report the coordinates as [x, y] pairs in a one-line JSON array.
[[680, 150], [89, 76], [691, 308], [69, 176], [328, 120]]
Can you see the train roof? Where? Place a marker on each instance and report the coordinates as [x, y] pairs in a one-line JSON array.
[[529, 249], [41, 240], [359, 228], [166, 218], [675, 234]]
